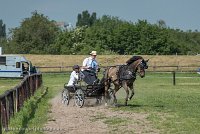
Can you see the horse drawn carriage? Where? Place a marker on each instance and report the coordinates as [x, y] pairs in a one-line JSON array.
[[119, 76]]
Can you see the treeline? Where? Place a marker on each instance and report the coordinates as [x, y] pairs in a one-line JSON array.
[[107, 35]]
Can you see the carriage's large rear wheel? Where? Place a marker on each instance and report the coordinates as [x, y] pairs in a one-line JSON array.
[[79, 98], [65, 97]]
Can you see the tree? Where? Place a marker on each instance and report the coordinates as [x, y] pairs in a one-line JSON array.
[[34, 35], [85, 19], [2, 30], [106, 34], [161, 23]]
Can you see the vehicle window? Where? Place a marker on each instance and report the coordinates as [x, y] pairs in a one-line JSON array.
[[17, 64], [2, 60]]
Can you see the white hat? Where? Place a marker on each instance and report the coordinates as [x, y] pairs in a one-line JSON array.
[[93, 53]]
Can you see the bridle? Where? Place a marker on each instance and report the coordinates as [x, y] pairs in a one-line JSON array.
[[142, 65]]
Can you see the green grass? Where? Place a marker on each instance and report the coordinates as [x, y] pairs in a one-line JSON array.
[[172, 109], [31, 115], [115, 121], [8, 83]]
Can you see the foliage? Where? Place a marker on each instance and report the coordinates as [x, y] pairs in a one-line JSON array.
[[110, 34], [35, 35], [2, 30], [2, 34], [85, 19], [32, 115], [107, 35]]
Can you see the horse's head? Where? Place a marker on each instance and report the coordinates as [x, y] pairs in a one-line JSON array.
[[138, 64], [141, 65]]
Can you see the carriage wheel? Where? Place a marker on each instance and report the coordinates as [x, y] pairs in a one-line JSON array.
[[79, 98], [65, 97]]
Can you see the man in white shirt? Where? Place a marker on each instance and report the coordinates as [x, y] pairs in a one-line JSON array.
[[90, 63], [74, 76], [90, 68]]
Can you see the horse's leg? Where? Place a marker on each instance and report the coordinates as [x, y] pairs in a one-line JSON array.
[[132, 91], [106, 96], [114, 93], [107, 86], [127, 92]]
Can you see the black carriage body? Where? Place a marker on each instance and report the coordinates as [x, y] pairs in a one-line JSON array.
[[94, 90], [88, 87], [89, 90]]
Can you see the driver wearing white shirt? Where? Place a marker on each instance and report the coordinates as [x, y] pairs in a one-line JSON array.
[[90, 69], [90, 63]]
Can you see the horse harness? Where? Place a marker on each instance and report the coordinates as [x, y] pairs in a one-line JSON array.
[[125, 73]]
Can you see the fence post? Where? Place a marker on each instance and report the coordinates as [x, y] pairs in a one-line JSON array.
[[154, 67], [16, 100], [174, 78], [7, 110], [4, 113]]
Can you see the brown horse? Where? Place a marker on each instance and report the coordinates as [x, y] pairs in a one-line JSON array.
[[124, 76]]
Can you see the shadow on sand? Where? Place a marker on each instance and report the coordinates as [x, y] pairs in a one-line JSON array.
[[137, 106]]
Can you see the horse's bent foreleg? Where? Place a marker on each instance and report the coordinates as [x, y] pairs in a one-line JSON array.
[[126, 99], [132, 92], [114, 94], [106, 94], [127, 93]]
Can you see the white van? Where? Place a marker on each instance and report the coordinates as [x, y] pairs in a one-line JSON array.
[[15, 66]]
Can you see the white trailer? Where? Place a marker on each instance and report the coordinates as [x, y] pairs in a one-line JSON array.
[[15, 66]]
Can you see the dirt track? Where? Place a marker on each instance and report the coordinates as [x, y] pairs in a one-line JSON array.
[[94, 119]]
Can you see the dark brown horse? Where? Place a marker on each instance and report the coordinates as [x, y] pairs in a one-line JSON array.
[[124, 76]]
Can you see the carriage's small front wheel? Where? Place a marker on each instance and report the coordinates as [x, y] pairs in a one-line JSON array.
[[79, 98], [65, 97]]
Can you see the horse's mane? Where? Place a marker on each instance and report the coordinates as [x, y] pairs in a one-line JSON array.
[[132, 59]]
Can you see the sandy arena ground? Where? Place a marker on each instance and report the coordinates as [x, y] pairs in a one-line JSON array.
[[94, 119]]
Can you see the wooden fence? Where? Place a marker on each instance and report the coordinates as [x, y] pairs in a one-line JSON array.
[[155, 68], [12, 100]]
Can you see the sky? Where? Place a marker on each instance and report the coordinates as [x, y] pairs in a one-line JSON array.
[[177, 14]]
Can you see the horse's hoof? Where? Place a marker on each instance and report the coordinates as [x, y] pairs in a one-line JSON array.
[[129, 99], [106, 104], [116, 105]]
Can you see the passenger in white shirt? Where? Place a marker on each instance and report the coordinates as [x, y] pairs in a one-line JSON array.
[[74, 76]]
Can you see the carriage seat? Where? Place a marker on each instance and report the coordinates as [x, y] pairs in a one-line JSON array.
[[89, 77]]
